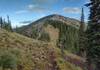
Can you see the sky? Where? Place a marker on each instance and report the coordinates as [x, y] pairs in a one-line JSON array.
[[22, 12]]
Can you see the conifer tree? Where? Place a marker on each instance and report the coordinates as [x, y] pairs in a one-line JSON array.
[[82, 37], [93, 32], [1, 22], [8, 25]]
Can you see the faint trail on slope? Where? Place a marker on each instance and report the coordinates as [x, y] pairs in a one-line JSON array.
[[77, 62], [54, 35], [53, 61]]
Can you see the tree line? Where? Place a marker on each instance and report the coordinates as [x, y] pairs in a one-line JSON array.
[[89, 41], [6, 24], [93, 35]]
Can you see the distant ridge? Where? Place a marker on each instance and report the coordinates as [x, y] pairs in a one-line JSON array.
[[58, 18]]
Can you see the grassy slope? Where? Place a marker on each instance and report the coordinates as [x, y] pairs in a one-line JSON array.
[[54, 36], [34, 54]]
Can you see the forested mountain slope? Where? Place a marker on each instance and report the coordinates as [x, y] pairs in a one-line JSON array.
[[60, 33], [54, 28]]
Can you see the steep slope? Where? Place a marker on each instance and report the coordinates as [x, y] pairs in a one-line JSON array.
[[33, 54], [54, 28], [53, 33], [39, 24]]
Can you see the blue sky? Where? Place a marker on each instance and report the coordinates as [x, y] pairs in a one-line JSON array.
[[31, 10]]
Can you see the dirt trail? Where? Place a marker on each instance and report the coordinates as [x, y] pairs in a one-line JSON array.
[[77, 62], [54, 35]]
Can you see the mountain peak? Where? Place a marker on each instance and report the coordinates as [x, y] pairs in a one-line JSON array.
[[66, 20], [54, 15]]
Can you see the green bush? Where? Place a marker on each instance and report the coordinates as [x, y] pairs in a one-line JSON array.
[[34, 33], [44, 37], [8, 60]]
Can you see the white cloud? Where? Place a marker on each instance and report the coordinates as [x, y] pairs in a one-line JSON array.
[[32, 8], [21, 11], [72, 0], [36, 8], [72, 10], [25, 22], [87, 1], [44, 2]]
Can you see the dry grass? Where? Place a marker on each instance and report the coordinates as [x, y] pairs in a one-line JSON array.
[[53, 33], [34, 54]]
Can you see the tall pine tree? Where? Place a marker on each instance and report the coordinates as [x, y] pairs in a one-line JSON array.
[[8, 25], [93, 34], [82, 38], [1, 22]]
